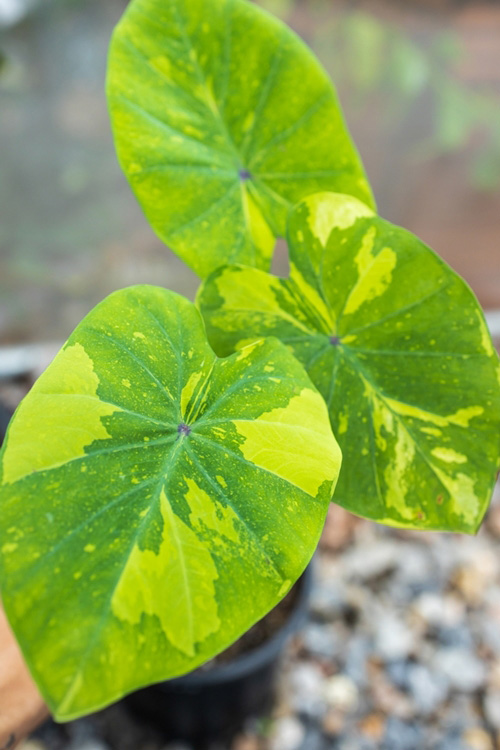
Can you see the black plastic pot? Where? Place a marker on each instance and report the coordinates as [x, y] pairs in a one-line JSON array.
[[212, 705]]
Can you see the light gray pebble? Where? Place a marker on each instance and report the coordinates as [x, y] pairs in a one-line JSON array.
[[490, 634], [398, 673], [400, 735], [372, 560], [456, 637], [306, 689], [491, 707], [415, 566], [327, 602], [313, 740], [393, 638], [439, 611], [354, 741], [428, 690], [357, 651], [463, 670], [287, 734], [322, 641]]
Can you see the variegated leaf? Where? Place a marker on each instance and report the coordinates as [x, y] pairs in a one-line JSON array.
[[222, 120], [155, 500], [396, 343]]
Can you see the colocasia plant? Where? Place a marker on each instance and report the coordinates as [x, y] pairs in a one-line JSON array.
[[166, 480]]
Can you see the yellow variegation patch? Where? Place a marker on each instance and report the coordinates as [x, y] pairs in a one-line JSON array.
[[40, 437], [275, 439], [180, 583]]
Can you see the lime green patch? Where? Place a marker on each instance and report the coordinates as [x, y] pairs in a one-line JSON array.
[[246, 350], [374, 278], [397, 474], [205, 513], [316, 302], [51, 427], [462, 493], [462, 417], [486, 341], [364, 257], [343, 423], [174, 585], [260, 231], [285, 588], [256, 292], [293, 442], [161, 64], [189, 390], [9, 547], [329, 211], [431, 431], [449, 456]]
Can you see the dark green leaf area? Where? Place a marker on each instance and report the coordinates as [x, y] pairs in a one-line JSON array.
[[155, 500], [397, 345], [223, 119]]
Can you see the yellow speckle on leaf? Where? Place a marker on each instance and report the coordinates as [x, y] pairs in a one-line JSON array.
[[284, 588], [248, 121], [162, 64], [343, 423], [9, 547], [138, 335], [89, 548], [126, 383]]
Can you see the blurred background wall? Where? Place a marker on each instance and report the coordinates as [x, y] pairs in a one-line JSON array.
[[420, 86]]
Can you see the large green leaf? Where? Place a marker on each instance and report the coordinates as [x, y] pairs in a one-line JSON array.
[[396, 343], [155, 501], [222, 119]]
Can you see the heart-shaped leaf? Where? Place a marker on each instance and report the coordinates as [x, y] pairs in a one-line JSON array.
[[396, 343], [222, 120], [155, 501]]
